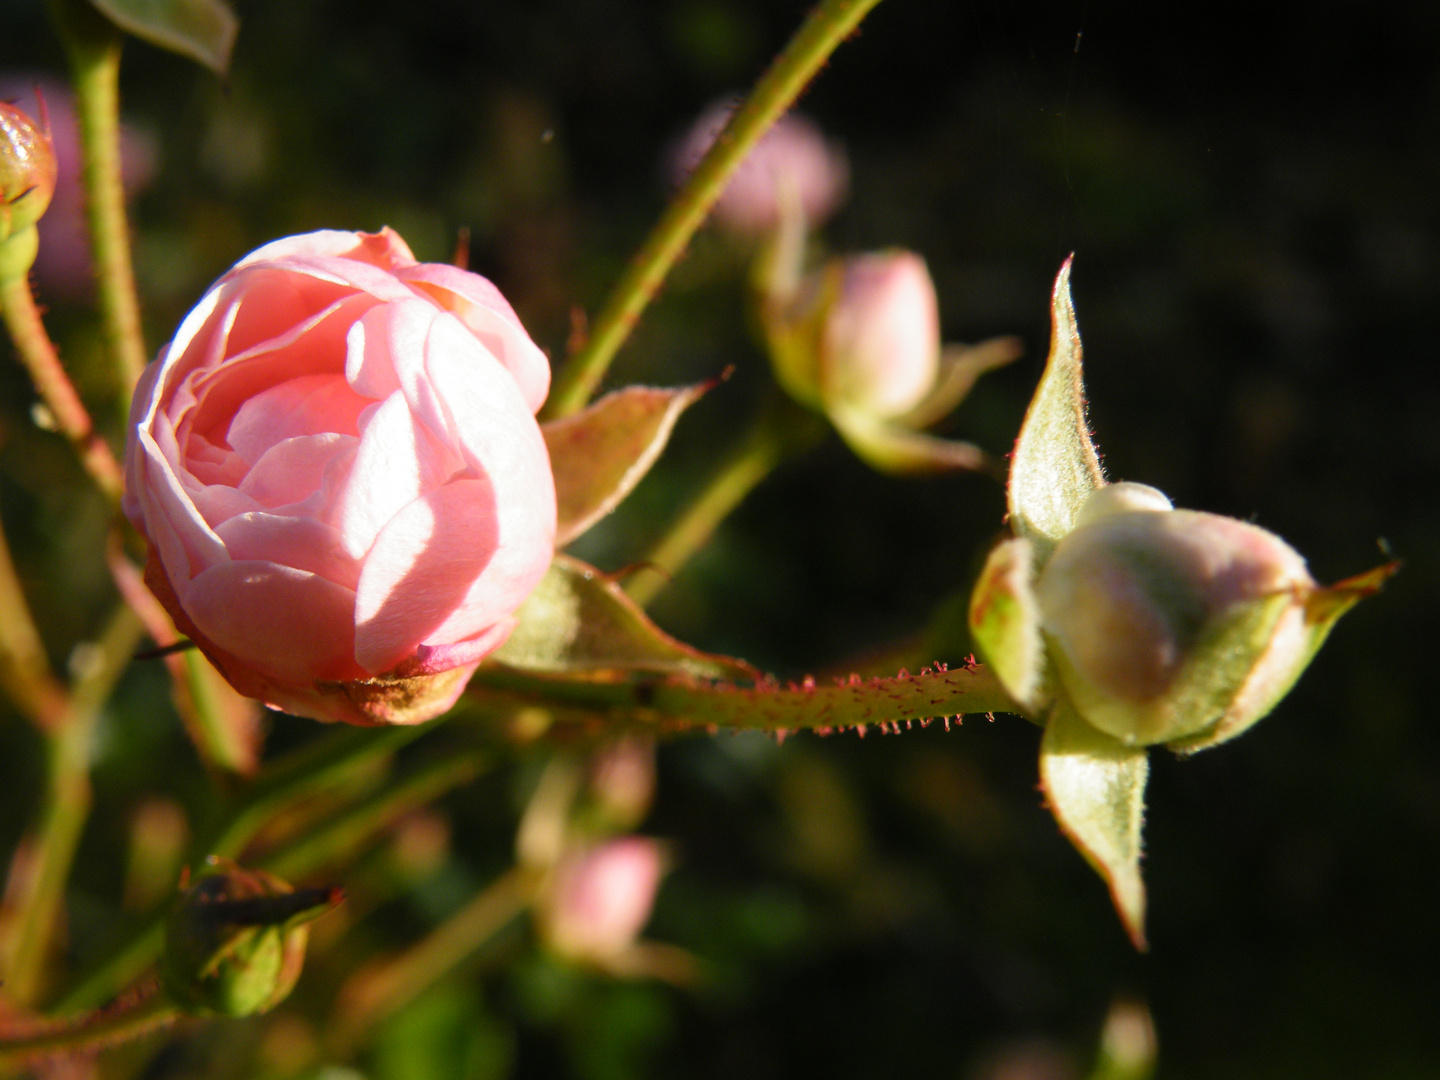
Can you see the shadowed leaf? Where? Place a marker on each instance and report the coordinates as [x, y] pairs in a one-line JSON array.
[[203, 30], [1096, 789], [600, 454], [1055, 466], [580, 623]]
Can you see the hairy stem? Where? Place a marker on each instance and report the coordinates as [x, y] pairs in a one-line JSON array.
[[37, 353], [20, 1043], [781, 429], [828, 24], [92, 44]]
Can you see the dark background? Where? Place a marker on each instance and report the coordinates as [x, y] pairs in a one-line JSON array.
[[1252, 194]]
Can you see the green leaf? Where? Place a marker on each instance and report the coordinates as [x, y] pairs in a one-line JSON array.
[[1055, 466], [600, 454], [886, 446], [578, 622], [203, 30], [1005, 621], [1095, 786]]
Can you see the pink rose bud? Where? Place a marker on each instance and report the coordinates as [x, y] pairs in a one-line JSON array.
[[338, 468], [880, 351], [1169, 624], [792, 162], [599, 899]]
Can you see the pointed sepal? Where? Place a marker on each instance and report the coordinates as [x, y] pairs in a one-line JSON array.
[[1005, 621], [598, 455], [1055, 466], [1095, 786], [886, 446], [579, 622]]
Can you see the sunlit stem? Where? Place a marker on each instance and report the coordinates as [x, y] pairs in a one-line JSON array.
[[92, 44], [39, 897], [382, 988], [57, 393], [25, 672], [781, 429], [828, 25]]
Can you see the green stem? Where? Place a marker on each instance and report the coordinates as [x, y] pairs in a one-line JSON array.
[[89, 1033], [306, 772], [828, 25], [92, 44], [328, 844], [678, 705], [383, 988], [24, 668], [66, 807], [37, 353], [781, 429]]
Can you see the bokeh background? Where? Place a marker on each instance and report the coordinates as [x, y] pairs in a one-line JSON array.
[[1253, 196]]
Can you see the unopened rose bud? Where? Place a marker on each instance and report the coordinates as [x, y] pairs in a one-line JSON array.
[[1165, 624], [599, 898], [622, 781], [27, 171], [793, 163], [235, 942], [880, 350]]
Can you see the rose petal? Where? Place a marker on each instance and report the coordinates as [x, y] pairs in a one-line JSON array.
[[386, 333], [384, 249], [300, 543], [238, 606], [430, 659], [397, 462], [421, 568], [294, 469], [310, 405], [489, 316]]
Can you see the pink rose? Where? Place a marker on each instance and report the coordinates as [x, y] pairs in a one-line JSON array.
[[337, 466], [793, 160], [600, 898]]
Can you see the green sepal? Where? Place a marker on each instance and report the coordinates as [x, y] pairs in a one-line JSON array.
[[203, 30], [890, 448], [1095, 786], [960, 366], [578, 622], [1055, 466], [1270, 682], [1005, 621], [598, 455]]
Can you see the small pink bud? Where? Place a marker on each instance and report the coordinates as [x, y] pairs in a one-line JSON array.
[[1164, 623], [600, 898], [793, 162], [27, 171], [880, 351], [622, 781]]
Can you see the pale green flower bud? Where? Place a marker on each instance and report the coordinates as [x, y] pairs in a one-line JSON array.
[[235, 941], [1169, 625]]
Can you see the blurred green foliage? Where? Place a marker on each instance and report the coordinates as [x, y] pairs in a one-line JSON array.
[[1251, 193]]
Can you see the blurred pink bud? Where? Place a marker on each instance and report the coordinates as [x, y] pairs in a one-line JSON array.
[[793, 161], [600, 898], [1166, 623], [339, 472], [622, 780], [27, 171], [881, 347], [63, 267]]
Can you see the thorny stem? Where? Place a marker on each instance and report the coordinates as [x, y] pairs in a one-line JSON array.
[[676, 705], [37, 353], [781, 429], [38, 898], [114, 1024], [829, 24], [92, 44]]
